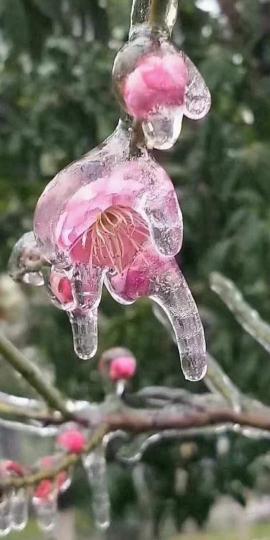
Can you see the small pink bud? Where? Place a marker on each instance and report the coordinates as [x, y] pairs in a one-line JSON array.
[[11, 468], [157, 81], [46, 488], [122, 368], [73, 441]]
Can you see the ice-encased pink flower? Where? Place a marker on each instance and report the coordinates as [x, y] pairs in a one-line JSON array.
[[157, 81], [118, 222]]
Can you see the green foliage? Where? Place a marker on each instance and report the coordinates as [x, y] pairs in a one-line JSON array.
[[56, 102]]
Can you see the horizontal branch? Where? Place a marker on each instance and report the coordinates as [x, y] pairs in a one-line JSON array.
[[247, 317], [159, 420]]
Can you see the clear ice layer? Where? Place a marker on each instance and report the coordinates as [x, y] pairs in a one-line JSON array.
[[113, 217], [25, 261], [157, 85], [96, 469], [19, 510]]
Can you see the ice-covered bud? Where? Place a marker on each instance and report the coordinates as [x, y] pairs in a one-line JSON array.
[[157, 82], [72, 441], [25, 262], [123, 368], [118, 364], [11, 468], [158, 85], [48, 488]]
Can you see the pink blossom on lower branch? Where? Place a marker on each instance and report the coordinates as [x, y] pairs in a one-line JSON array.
[[114, 217]]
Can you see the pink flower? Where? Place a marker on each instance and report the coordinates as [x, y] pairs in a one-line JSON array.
[[122, 368], [72, 440], [157, 81], [119, 223]]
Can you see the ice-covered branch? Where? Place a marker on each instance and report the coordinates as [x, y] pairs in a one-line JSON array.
[[32, 375], [34, 478], [247, 317], [155, 13]]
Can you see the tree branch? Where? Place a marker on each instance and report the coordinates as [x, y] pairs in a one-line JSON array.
[[247, 317], [32, 375], [49, 474]]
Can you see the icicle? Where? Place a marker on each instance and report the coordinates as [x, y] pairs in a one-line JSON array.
[[95, 466], [5, 516], [172, 293], [46, 512], [19, 510], [85, 332]]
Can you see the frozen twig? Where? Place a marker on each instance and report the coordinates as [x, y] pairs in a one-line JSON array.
[[247, 317], [32, 375]]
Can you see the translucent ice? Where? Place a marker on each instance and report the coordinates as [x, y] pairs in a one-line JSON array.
[[95, 466], [46, 512], [114, 216], [5, 516], [157, 85], [25, 261], [19, 510]]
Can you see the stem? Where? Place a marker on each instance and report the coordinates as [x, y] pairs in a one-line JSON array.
[[32, 375], [156, 14], [247, 317]]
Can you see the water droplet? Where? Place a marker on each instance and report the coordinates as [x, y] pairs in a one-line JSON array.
[[95, 466]]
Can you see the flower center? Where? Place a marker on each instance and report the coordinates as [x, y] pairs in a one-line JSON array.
[[114, 240]]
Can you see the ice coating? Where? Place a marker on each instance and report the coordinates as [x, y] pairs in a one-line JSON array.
[[25, 261], [160, 278], [96, 469], [14, 505], [158, 86], [118, 222]]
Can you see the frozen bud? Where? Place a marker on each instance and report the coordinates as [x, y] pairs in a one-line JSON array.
[[26, 261], [118, 364], [72, 441], [158, 85]]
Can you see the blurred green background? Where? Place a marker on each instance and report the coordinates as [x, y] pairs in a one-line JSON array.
[[56, 102]]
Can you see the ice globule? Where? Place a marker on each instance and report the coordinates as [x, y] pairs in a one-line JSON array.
[[25, 261], [96, 469], [157, 85]]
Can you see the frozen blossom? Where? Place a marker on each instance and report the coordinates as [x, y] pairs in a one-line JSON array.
[[113, 217], [158, 87]]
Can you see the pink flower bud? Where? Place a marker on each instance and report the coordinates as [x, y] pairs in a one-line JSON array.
[[122, 368], [157, 81], [11, 468], [73, 441], [48, 488]]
